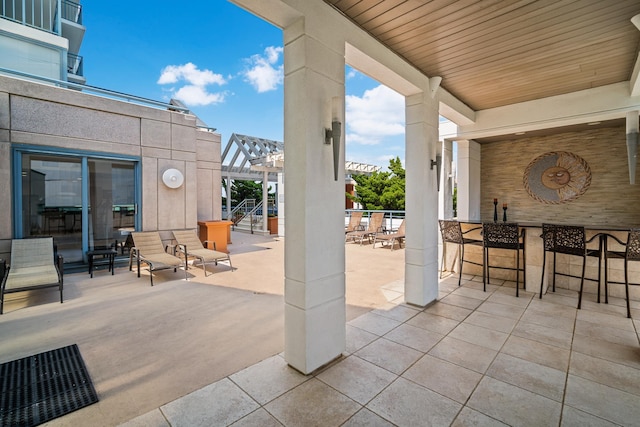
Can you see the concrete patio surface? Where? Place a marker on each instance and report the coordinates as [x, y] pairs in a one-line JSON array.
[[208, 351], [147, 346]]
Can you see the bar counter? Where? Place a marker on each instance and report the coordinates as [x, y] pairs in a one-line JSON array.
[[566, 263]]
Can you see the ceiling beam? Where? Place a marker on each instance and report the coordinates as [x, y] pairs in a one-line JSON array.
[[591, 105]]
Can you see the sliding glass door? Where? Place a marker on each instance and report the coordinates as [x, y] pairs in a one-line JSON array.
[[83, 202]]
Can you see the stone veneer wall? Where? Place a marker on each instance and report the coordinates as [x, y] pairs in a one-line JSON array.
[[609, 200], [37, 114]]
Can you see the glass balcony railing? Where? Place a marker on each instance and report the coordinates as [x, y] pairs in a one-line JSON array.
[[74, 64]]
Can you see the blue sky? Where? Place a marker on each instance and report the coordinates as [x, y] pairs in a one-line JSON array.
[[226, 65]]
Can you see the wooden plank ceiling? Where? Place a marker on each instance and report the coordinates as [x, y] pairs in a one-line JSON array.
[[491, 53]]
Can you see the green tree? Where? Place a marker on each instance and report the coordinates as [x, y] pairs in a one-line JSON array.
[[241, 190], [381, 190]]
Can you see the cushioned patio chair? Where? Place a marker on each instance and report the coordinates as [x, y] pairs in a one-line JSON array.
[[190, 246], [390, 238], [148, 248], [33, 266], [374, 226]]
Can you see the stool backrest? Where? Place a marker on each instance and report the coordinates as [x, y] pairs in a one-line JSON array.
[[451, 231], [502, 235], [633, 245], [569, 239]]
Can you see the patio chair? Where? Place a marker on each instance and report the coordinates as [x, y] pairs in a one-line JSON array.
[[374, 226], [190, 245], [148, 248], [451, 232], [631, 252], [569, 240], [354, 222], [390, 238], [34, 265], [505, 236]]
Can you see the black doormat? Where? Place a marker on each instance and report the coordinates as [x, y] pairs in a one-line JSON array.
[[45, 386]]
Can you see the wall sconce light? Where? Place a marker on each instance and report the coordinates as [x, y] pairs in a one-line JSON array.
[[438, 164], [434, 84], [172, 178], [333, 135]]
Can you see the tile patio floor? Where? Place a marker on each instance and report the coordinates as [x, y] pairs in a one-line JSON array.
[[470, 359]]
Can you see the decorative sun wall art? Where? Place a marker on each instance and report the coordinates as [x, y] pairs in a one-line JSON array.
[[557, 177]]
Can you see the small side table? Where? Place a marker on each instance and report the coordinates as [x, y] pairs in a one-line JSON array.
[[101, 257]]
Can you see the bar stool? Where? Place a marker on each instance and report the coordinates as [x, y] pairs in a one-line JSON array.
[[570, 240], [631, 253], [452, 233], [505, 235]]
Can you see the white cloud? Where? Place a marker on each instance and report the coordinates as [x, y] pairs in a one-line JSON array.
[[378, 114], [192, 84], [197, 95], [264, 73]]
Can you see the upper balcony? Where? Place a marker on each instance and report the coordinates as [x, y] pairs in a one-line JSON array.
[[60, 17]]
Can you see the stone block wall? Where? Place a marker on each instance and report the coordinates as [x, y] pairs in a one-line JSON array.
[[48, 116]]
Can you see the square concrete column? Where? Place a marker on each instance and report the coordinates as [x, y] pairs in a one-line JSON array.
[[315, 311], [421, 253], [468, 180]]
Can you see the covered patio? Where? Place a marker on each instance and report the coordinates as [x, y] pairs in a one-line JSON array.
[[521, 81]]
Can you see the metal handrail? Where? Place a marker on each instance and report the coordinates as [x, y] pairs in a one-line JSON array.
[[392, 218], [93, 89], [72, 11]]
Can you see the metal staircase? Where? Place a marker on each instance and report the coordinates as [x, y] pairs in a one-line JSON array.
[[248, 215]]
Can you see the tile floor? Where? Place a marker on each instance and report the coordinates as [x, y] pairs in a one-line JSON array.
[[472, 358]]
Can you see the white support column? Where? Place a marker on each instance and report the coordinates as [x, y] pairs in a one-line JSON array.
[[280, 202], [315, 311], [468, 180], [229, 183], [421, 253], [265, 202]]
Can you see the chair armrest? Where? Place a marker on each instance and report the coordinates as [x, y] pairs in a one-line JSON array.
[[3, 268], [607, 235], [598, 235], [206, 244], [60, 266], [472, 229]]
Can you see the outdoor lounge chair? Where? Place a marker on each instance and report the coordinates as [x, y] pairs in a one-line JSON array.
[[148, 248], [33, 266], [190, 245], [391, 237], [354, 222], [374, 226]]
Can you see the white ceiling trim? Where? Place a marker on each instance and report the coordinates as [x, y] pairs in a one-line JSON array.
[[597, 104]]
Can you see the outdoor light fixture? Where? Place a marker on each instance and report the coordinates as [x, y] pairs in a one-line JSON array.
[[438, 164], [333, 135], [434, 84], [172, 178]]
